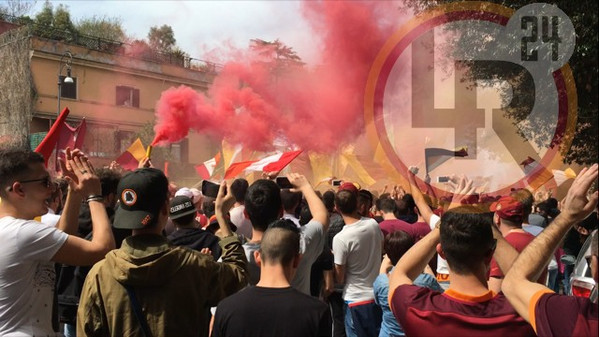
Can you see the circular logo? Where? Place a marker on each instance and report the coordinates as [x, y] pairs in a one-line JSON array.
[[477, 89], [129, 197]]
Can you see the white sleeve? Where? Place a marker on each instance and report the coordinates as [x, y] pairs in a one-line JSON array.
[[39, 242], [433, 222], [312, 238], [339, 251]]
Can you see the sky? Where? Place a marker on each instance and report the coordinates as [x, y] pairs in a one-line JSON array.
[[201, 26]]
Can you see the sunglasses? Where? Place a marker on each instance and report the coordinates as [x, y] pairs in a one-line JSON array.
[[46, 181]]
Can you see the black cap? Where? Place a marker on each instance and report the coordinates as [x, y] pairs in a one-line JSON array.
[[141, 195], [181, 206]]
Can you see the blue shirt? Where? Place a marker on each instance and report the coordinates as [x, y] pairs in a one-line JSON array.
[[390, 326]]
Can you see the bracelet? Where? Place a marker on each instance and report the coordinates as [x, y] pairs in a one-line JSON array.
[[94, 197]]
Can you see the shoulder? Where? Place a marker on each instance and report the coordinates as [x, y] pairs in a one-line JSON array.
[[313, 227]]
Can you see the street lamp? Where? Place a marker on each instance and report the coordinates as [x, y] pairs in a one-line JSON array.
[[66, 60]]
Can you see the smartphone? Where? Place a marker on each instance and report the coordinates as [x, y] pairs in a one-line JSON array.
[[283, 182], [336, 182], [210, 189], [443, 179]]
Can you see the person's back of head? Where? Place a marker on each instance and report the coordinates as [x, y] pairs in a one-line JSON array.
[[15, 164], [396, 244], [208, 207], [182, 211], [280, 244], [526, 198], [401, 208], [509, 211], [410, 203], [305, 215], [328, 198], [290, 200], [387, 205], [467, 238], [346, 202], [263, 203], [109, 179], [365, 200], [239, 188]]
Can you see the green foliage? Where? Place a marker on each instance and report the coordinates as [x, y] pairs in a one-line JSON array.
[[584, 17], [54, 23], [102, 27], [162, 38]]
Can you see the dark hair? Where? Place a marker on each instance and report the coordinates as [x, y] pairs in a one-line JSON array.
[[396, 244], [346, 202], [239, 188], [263, 203], [305, 215], [280, 243], [290, 200], [466, 237], [401, 207], [364, 196], [15, 163], [387, 205], [524, 197], [594, 244], [328, 198], [548, 208], [109, 180], [410, 203]]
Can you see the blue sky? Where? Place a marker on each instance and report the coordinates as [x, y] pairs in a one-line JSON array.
[[204, 25]]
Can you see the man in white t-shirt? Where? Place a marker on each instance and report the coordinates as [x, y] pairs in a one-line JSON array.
[[237, 214], [28, 248], [358, 253]]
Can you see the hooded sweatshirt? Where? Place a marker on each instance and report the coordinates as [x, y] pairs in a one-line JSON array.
[[175, 287]]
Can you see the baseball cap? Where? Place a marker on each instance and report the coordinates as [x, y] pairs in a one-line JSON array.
[[508, 208], [347, 186], [181, 206], [142, 194]]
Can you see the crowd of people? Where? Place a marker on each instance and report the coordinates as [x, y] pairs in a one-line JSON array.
[[96, 252]]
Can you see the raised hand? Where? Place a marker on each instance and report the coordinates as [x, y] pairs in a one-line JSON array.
[[80, 174], [578, 204], [299, 181]]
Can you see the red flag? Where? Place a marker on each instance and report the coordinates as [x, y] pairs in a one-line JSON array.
[[273, 163], [48, 144], [71, 137], [130, 159], [206, 169], [527, 161]]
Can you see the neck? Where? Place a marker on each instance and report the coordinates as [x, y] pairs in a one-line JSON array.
[[7, 209], [275, 276], [389, 216], [152, 230], [351, 218], [237, 204], [256, 235], [470, 284], [506, 229]]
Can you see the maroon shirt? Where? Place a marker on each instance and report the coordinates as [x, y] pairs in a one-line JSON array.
[[518, 240], [425, 312], [417, 230], [561, 315]]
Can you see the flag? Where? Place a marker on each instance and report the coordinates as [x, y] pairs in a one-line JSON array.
[[206, 169], [561, 176], [434, 157], [71, 137], [48, 144], [527, 162], [357, 167], [230, 153], [130, 159], [536, 174], [321, 166], [273, 163]]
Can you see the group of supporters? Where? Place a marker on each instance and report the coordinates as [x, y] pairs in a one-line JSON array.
[[133, 255]]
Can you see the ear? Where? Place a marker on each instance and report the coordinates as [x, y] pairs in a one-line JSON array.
[[416, 210], [440, 251], [257, 258], [16, 187], [496, 219], [245, 214], [296, 260]]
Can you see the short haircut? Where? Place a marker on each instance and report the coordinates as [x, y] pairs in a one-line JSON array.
[[466, 237], [524, 197], [328, 198], [410, 203], [15, 163], [109, 179], [184, 220], [364, 196], [208, 207], [290, 200], [280, 243], [239, 188], [263, 203], [346, 202], [305, 215], [396, 244], [387, 205]]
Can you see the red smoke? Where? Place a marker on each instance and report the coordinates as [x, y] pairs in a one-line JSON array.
[[316, 110]]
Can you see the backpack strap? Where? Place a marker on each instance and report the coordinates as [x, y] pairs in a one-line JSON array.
[[137, 311]]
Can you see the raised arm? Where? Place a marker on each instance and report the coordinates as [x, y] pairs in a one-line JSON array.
[[519, 284], [76, 251], [423, 207], [223, 203], [317, 208]]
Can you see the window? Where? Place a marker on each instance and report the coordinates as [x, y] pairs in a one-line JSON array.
[[127, 96], [68, 90]]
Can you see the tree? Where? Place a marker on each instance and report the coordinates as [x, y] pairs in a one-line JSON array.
[[16, 8], [102, 27], [584, 17], [55, 24], [162, 39], [279, 57]]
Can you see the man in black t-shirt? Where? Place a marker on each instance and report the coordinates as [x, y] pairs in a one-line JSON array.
[[273, 307]]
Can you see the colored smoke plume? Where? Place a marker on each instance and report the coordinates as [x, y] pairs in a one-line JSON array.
[[256, 102]]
